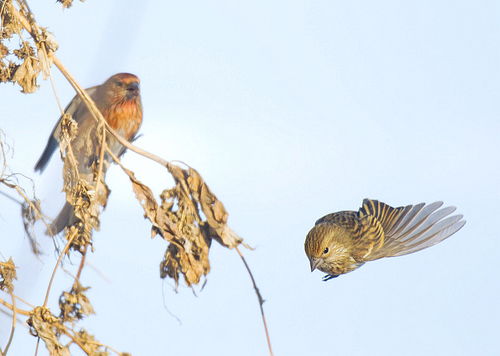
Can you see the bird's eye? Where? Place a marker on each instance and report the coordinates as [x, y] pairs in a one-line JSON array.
[[119, 84], [326, 250]]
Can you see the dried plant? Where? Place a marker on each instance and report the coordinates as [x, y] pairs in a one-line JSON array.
[[7, 275], [23, 65], [188, 216]]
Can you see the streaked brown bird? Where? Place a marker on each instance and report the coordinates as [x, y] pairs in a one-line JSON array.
[[119, 101], [343, 241]]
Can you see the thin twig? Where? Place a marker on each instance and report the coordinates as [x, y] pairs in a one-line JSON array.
[[13, 327], [56, 267], [37, 344], [10, 197], [25, 302], [261, 301], [11, 307], [19, 320], [54, 91], [82, 264], [101, 158]]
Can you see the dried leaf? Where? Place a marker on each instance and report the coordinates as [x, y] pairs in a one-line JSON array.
[[179, 221], [90, 345], [4, 50], [145, 196], [45, 325], [34, 54], [74, 304], [7, 275], [86, 196], [26, 74]]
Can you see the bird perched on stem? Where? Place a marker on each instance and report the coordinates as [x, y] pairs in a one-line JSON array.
[[119, 101], [343, 241]]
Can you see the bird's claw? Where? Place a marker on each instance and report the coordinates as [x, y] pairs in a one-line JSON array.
[[329, 276]]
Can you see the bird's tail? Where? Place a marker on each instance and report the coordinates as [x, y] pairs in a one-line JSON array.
[[47, 153], [65, 218]]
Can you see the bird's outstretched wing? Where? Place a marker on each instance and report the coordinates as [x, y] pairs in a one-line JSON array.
[[72, 109], [411, 228]]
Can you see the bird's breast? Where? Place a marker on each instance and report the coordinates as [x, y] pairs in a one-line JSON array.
[[125, 118]]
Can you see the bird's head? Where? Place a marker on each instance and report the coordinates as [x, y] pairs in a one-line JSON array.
[[324, 246], [123, 86]]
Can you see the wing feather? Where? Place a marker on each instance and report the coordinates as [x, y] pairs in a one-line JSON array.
[[432, 239], [72, 108], [419, 218], [412, 228]]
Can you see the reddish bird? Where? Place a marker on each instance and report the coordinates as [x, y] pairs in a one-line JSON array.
[[119, 101]]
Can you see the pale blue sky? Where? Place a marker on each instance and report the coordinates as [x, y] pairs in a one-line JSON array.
[[290, 110]]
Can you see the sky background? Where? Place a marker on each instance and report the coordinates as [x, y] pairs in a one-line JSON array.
[[290, 110]]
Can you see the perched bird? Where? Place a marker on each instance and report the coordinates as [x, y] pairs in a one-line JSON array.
[[119, 101], [343, 241]]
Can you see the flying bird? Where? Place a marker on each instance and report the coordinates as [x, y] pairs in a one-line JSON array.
[[342, 242], [119, 101]]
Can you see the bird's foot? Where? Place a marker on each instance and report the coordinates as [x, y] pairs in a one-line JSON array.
[[329, 276]]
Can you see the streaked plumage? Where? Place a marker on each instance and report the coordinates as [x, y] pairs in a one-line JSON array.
[[343, 241], [119, 101]]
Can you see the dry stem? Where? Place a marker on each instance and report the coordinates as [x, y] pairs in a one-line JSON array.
[[11, 307], [13, 327], [260, 299], [56, 267]]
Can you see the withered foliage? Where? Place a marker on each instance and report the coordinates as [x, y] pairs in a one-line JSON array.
[[7, 275], [23, 64], [85, 188], [189, 216], [74, 304], [53, 330], [48, 327]]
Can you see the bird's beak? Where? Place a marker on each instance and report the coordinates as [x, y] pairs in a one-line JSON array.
[[315, 262], [134, 86], [132, 90]]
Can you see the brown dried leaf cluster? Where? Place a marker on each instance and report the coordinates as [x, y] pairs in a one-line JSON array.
[[7, 275], [48, 327], [23, 64], [52, 330], [90, 345], [87, 207], [74, 304], [85, 188], [189, 216]]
